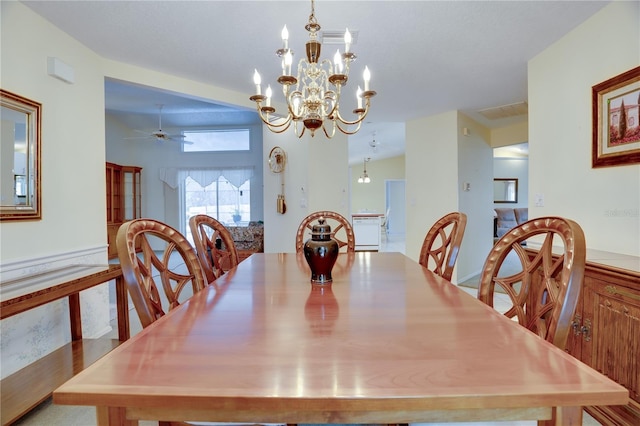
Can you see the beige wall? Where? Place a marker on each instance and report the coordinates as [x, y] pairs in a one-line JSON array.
[[604, 201], [431, 175], [371, 196], [73, 213], [510, 135]]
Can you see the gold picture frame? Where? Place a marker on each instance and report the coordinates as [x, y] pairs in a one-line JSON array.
[[20, 126], [616, 120]]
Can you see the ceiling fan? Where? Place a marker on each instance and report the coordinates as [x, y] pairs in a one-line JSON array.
[[161, 135]]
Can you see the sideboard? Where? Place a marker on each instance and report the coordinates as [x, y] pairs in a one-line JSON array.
[[26, 388], [606, 329]]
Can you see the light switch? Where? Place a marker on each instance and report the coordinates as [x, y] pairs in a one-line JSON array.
[[539, 200]]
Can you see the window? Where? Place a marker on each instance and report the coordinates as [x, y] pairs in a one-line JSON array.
[[220, 199], [217, 140]]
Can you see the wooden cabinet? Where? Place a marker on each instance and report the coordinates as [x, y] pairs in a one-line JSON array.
[[123, 199], [606, 332]]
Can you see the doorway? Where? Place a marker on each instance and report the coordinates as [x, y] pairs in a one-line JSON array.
[[395, 205]]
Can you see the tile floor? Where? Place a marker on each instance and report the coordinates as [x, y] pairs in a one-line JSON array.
[[49, 414]]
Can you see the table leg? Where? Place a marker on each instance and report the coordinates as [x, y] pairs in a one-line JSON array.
[[75, 317], [122, 306], [113, 416], [564, 416]]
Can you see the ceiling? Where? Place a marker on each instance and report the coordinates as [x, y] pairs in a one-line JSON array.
[[425, 57]]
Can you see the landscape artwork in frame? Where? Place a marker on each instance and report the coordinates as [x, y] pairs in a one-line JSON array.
[[616, 120]]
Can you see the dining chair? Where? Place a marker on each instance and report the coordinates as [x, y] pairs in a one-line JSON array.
[[341, 230], [159, 266], [544, 286], [442, 243], [175, 265], [214, 245]]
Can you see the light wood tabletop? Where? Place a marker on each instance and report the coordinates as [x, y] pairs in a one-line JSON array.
[[387, 342]]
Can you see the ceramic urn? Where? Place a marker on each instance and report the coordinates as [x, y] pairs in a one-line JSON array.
[[321, 252]]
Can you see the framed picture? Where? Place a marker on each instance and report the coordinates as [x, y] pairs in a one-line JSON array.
[[616, 120]]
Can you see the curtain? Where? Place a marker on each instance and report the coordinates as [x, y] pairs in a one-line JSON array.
[[205, 177]]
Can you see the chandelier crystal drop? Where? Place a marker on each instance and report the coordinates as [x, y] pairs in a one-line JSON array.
[[313, 95]]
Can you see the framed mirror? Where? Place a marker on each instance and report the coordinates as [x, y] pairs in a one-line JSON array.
[[505, 190], [20, 137]]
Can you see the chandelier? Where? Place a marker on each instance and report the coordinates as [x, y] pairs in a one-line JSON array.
[[313, 95], [364, 177]]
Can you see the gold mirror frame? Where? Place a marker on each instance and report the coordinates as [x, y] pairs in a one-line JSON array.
[[20, 137]]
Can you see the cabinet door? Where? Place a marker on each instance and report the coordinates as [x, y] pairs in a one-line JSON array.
[[132, 194], [112, 231], [574, 341], [114, 193], [611, 344]]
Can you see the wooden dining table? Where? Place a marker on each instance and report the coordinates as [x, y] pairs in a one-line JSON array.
[[387, 342]]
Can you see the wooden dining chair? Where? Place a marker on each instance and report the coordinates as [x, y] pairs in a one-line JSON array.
[[545, 286], [442, 243], [341, 230], [214, 245], [160, 267], [175, 266]]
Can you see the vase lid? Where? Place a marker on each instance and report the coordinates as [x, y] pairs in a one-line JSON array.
[[321, 229]]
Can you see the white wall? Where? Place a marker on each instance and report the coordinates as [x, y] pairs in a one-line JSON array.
[[73, 211], [316, 178], [475, 168], [513, 168], [72, 128], [604, 201]]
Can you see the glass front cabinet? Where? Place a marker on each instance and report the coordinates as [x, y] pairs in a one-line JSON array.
[[124, 200]]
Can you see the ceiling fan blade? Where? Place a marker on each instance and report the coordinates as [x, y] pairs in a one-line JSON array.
[[138, 137]]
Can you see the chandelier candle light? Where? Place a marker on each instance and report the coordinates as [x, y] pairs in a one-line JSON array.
[[313, 97]]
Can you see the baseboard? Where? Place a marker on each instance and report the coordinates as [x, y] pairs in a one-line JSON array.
[[467, 277]]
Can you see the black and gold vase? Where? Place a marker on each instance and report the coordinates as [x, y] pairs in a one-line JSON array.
[[321, 252]]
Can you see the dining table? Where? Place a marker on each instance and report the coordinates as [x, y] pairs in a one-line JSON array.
[[386, 342]]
